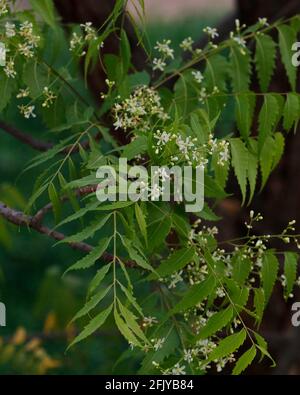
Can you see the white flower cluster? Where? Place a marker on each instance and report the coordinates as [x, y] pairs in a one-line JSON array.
[[166, 53], [27, 111], [28, 43], [220, 148], [188, 149], [237, 37], [49, 97], [31, 40], [79, 41], [9, 68], [137, 110]]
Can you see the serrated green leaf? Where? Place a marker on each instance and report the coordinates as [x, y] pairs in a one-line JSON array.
[[266, 160], [240, 164], [267, 118], [131, 299], [114, 206], [177, 261], [135, 147], [241, 270], [244, 361], [125, 51], [287, 37], [278, 149], [158, 232], [92, 326], [136, 256], [125, 330], [269, 273], [195, 294], [291, 111], [240, 69], [79, 214], [56, 203], [99, 276], [215, 323], [92, 303], [263, 347], [228, 345], [88, 232], [290, 271], [259, 304], [252, 173], [130, 320], [92, 257], [244, 112], [141, 221], [265, 56]]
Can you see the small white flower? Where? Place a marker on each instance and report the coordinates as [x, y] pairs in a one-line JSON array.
[[49, 97], [263, 21], [27, 111], [164, 48], [23, 93], [158, 343], [175, 279], [178, 370], [240, 41], [188, 356], [155, 192], [198, 76], [9, 69], [211, 31], [90, 32], [159, 64], [187, 44], [26, 50]]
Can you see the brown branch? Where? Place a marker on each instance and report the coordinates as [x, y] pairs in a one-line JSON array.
[[20, 219], [26, 139], [38, 217], [40, 145]]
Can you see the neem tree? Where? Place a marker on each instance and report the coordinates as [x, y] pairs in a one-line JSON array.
[[184, 300]]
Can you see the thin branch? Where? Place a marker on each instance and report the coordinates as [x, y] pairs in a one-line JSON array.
[[38, 217], [20, 219], [25, 138], [40, 145]]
